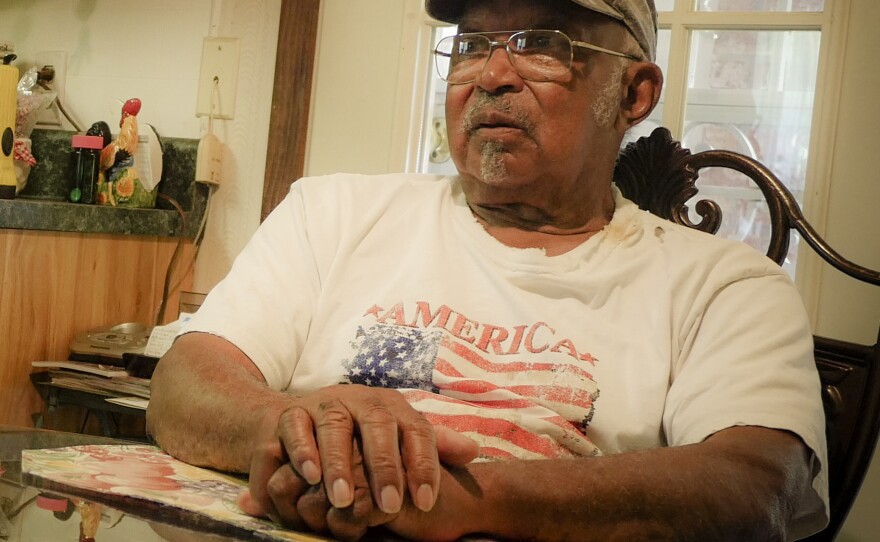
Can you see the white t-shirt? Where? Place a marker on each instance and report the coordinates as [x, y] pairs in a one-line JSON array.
[[648, 334]]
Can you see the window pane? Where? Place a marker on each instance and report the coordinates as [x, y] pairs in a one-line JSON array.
[[751, 92], [761, 5], [435, 154], [664, 5]]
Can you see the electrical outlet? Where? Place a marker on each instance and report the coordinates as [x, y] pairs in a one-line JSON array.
[[58, 60], [218, 77]]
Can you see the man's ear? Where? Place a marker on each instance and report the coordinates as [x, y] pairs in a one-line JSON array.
[[642, 82]]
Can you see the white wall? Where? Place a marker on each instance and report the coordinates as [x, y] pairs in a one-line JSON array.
[[118, 49], [355, 103], [234, 213], [368, 107], [853, 223], [847, 310]]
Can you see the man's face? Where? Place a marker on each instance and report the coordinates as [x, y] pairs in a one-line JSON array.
[[516, 141]]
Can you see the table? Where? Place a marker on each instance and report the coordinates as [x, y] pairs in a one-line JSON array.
[[38, 509], [30, 511]]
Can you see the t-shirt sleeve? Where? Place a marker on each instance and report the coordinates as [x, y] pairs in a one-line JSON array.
[[264, 305], [747, 359]]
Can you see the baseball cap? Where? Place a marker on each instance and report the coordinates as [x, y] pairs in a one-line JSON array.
[[639, 17]]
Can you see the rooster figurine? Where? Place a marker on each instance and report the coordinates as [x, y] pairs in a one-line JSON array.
[[118, 181]]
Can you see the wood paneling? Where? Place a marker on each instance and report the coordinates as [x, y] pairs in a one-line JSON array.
[[55, 285], [291, 97]]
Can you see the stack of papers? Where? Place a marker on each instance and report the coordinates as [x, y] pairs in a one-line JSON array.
[[113, 382], [83, 367]]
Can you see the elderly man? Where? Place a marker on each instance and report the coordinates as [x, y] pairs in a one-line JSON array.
[[609, 369]]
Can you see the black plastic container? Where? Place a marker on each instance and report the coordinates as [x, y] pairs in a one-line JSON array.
[[84, 163]]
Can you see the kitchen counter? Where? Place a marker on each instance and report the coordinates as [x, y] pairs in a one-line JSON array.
[[42, 204]]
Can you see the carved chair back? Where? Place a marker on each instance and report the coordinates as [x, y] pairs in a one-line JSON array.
[[659, 175]]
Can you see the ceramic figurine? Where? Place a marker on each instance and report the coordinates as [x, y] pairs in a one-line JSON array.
[[119, 183]]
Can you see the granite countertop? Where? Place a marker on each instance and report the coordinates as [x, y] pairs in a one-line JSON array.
[[43, 205]]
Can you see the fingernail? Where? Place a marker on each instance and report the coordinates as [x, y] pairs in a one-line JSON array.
[[390, 500], [424, 500], [310, 472], [341, 493]]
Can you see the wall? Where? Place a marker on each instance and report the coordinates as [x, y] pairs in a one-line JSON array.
[[118, 49], [354, 102], [852, 222], [853, 225], [234, 212]]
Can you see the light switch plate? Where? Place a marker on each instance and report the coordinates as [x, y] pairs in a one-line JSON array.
[[218, 77]]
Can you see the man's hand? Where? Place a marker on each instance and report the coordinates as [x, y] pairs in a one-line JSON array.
[[311, 508], [293, 502], [314, 444]]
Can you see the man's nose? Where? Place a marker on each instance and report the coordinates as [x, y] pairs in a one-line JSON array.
[[499, 73]]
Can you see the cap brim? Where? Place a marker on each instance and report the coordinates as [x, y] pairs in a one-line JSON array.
[[450, 10]]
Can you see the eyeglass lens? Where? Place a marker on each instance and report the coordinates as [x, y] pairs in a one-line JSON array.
[[537, 55]]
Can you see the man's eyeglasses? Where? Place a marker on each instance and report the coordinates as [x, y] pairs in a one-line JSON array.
[[537, 55]]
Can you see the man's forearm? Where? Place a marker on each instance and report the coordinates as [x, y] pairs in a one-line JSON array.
[[207, 407], [738, 485]]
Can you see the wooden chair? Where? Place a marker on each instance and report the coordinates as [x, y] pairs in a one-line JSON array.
[[659, 175]]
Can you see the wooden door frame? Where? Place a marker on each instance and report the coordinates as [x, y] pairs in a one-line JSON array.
[[291, 99]]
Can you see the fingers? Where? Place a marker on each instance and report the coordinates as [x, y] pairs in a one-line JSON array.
[[267, 459], [348, 523], [273, 487], [400, 449], [318, 433], [422, 463], [455, 449], [298, 436], [379, 433], [285, 487], [334, 428]]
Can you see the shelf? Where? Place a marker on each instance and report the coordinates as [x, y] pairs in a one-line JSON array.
[[45, 215], [42, 205]]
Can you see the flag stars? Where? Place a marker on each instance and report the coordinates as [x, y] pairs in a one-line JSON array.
[[374, 310], [393, 356]]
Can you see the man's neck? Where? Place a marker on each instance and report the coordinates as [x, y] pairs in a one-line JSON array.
[[515, 228]]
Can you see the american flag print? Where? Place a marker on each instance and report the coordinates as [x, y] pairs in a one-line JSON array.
[[394, 357], [513, 409]]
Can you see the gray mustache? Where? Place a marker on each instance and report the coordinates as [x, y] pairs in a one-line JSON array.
[[496, 102]]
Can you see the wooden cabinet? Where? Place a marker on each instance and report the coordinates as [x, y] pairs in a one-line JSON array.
[[54, 285]]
